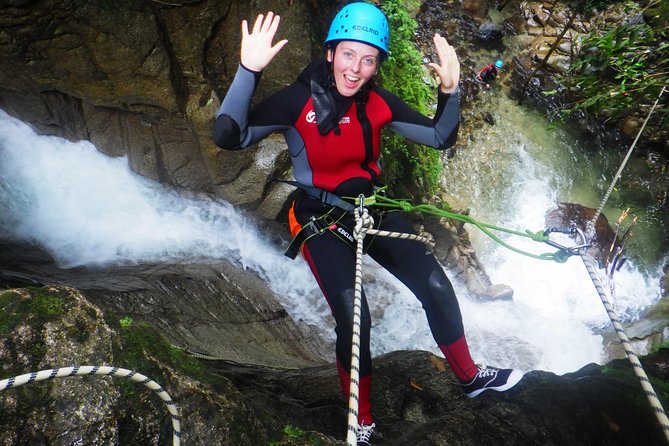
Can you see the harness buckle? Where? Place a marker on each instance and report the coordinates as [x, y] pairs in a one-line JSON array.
[[317, 226]]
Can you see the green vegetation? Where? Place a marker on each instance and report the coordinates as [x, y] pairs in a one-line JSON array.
[[125, 322], [289, 432], [582, 6], [34, 306], [140, 338], [622, 70], [294, 436], [406, 165], [43, 305]]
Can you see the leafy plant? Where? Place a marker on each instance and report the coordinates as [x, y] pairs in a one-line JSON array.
[[125, 322], [289, 433], [404, 163], [293, 432], [619, 71]]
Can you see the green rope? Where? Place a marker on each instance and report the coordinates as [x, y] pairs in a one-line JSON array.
[[380, 200]]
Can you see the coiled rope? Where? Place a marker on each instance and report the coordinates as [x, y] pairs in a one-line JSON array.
[[76, 370], [590, 265]]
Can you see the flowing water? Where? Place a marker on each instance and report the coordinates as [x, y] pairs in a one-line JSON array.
[[85, 208]]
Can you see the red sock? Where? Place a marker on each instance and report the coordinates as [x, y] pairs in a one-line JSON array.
[[364, 401], [458, 357]]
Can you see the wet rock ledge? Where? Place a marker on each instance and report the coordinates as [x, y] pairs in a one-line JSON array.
[[223, 402]]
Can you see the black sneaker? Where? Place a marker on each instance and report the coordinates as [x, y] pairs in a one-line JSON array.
[[489, 378], [364, 434]]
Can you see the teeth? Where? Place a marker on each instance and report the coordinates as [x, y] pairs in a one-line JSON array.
[[352, 78]]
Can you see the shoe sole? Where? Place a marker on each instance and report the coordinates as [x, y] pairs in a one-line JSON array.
[[514, 378]]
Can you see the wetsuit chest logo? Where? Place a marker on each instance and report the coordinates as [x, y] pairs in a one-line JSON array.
[[311, 117]]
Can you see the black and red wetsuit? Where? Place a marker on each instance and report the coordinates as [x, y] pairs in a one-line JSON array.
[[344, 159], [487, 74]]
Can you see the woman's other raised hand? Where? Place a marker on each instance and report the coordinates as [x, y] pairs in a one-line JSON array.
[[448, 68]]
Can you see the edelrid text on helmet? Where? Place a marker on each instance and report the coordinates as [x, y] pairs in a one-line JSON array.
[[362, 22]]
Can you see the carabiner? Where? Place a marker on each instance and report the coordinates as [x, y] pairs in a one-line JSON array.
[[570, 250]]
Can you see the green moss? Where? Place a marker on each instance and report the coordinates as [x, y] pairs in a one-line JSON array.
[[626, 374], [43, 305], [11, 312], [140, 339], [295, 436], [410, 170]]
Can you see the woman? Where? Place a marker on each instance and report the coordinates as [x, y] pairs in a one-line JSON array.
[[331, 118]]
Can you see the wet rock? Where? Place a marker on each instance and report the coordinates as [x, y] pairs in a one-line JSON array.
[[57, 326], [490, 36], [131, 78], [416, 398], [488, 118], [478, 9]]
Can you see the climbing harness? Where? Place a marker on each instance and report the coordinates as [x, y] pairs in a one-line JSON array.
[[378, 199], [64, 372], [328, 221], [590, 265]]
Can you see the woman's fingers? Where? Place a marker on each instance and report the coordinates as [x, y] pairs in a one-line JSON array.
[[245, 28], [257, 50], [257, 26]]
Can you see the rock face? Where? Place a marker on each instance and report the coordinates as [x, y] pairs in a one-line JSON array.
[[144, 80], [416, 398]]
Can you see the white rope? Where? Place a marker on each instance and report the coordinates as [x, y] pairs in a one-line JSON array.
[[593, 221], [654, 401], [64, 372], [364, 224], [590, 265]]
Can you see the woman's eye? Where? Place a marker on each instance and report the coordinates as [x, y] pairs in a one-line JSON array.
[[369, 62]]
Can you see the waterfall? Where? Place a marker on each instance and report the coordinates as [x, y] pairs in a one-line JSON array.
[[87, 209]]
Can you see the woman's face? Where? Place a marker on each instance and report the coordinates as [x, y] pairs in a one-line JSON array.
[[353, 64]]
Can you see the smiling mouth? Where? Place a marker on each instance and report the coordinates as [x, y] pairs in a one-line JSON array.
[[351, 81]]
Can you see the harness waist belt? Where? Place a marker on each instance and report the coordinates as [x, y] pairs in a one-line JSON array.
[[324, 196]]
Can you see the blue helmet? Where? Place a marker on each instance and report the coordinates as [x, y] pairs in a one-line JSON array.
[[362, 22], [499, 63]]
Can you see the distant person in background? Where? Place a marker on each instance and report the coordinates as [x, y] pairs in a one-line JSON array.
[[488, 74]]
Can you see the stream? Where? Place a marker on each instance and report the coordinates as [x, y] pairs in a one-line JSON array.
[[85, 208]]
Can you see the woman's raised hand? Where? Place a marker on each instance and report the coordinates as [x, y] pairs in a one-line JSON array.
[[448, 68], [257, 49]]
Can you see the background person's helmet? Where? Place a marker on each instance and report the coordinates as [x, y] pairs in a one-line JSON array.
[[499, 63], [362, 22]]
